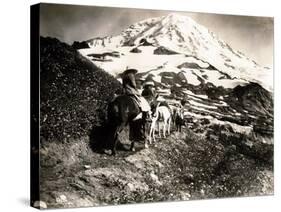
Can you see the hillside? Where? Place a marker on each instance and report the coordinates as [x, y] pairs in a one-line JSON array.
[[74, 93]]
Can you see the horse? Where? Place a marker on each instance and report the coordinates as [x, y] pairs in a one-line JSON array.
[[158, 113], [123, 110]]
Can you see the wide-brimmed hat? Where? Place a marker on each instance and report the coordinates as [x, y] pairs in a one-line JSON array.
[[131, 70]]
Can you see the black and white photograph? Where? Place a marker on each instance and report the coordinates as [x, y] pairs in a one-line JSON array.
[[136, 105]]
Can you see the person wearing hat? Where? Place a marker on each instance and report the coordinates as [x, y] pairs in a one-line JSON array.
[[130, 88], [129, 82], [148, 91]]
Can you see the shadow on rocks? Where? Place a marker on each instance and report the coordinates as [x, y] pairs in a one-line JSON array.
[[101, 139]]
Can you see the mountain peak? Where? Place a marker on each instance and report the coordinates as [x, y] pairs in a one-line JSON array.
[[185, 36], [175, 17]]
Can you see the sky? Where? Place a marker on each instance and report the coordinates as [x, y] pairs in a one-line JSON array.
[[249, 34]]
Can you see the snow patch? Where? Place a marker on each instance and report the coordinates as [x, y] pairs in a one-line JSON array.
[[197, 104]]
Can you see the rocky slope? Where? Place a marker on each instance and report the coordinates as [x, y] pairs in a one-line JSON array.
[[185, 166], [74, 93]]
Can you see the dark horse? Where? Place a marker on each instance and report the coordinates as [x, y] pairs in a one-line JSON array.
[[121, 112], [179, 122]]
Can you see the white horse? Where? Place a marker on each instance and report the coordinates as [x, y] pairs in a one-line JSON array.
[[161, 113]]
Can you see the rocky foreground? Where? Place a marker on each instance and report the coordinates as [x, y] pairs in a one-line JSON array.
[[184, 166]]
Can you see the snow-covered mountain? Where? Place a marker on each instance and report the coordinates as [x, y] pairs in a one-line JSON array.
[[176, 43]]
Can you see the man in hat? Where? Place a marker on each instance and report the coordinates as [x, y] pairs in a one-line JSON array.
[[129, 82], [130, 88], [148, 91]]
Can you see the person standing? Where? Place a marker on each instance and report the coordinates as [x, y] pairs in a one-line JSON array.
[[179, 115]]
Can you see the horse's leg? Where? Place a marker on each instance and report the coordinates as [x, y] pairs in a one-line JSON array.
[[132, 135], [145, 137], [144, 122], [159, 129], [114, 142], [118, 130], [169, 126], [152, 131], [144, 130], [164, 128]]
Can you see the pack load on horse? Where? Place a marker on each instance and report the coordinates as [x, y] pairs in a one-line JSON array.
[[130, 108]]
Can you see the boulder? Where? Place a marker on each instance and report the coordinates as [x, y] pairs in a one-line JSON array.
[[135, 50], [161, 50]]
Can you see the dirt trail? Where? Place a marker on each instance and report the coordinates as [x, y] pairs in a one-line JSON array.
[[181, 167]]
